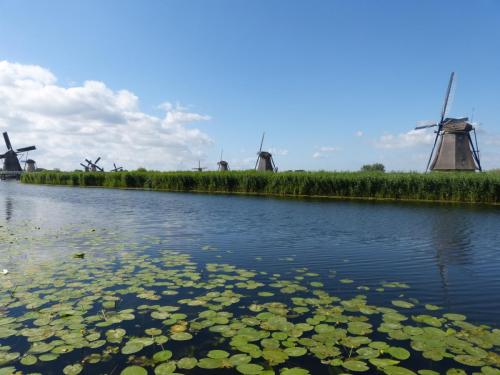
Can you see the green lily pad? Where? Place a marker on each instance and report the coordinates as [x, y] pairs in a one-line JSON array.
[[398, 353], [187, 363], [181, 336], [73, 369], [165, 368], [396, 370], [354, 365], [217, 354], [294, 371], [209, 363], [162, 356], [295, 351], [132, 347], [28, 360], [249, 369], [134, 370]]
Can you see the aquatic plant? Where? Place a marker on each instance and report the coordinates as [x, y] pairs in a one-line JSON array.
[[137, 308], [452, 187]]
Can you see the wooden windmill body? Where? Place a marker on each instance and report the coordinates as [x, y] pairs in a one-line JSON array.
[[455, 149], [265, 162]]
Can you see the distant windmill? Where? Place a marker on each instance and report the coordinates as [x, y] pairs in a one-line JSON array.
[[116, 169], [199, 168], [222, 164], [30, 165], [11, 161], [92, 166], [265, 160], [456, 151]]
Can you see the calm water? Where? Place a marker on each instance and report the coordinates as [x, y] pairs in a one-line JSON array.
[[448, 254]]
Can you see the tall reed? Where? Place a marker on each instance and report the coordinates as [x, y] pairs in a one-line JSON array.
[[459, 187]]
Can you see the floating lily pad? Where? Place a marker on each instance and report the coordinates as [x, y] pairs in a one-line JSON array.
[[73, 369], [162, 356], [181, 336], [356, 366], [134, 370], [217, 354], [249, 369]]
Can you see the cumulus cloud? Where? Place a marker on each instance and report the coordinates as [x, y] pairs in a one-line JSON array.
[[411, 138], [359, 133], [68, 124], [324, 151]]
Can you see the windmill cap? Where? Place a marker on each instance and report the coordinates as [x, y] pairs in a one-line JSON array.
[[457, 125]]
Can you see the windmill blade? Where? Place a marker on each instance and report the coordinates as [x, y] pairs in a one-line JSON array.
[[24, 149], [7, 141], [447, 98], [262, 142], [88, 162], [425, 126], [83, 165], [99, 168], [97, 160], [114, 165], [2, 156], [432, 152], [221, 153]]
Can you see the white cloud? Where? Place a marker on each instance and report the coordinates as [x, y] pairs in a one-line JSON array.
[[68, 124], [359, 133], [324, 151], [411, 138], [278, 151]]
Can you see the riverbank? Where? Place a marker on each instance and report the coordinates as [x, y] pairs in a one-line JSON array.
[[442, 187]]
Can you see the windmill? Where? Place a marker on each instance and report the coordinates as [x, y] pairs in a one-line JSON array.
[[265, 160], [199, 168], [222, 164], [30, 165], [455, 150], [11, 165], [92, 167], [117, 169]]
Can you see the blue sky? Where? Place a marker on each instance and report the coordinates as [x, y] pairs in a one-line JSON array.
[[344, 81]]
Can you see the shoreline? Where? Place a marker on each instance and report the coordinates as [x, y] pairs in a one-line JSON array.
[[449, 188]]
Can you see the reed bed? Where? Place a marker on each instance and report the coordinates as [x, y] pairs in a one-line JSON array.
[[451, 187]]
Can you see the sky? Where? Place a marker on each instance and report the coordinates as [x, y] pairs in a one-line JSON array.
[[163, 84]]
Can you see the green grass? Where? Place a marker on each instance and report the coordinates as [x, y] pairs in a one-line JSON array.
[[452, 187]]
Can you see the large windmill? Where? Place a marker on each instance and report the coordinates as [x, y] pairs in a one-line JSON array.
[[11, 165], [455, 150], [222, 164], [92, 166], [265, 160]]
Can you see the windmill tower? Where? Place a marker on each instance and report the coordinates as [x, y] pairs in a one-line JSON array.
[[223, 165], [455, 149], [199, 168], [11, 165], [265, 162]]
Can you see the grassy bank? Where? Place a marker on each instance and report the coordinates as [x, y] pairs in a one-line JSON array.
[[452, 187]]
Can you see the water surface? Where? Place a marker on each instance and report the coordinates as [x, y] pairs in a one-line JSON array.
[[447, 254]]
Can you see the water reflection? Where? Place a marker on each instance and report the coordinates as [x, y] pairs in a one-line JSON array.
[[451, 237], [9, 208]]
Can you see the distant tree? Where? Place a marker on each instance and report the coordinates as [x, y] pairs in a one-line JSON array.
[[141, 169], [377, 167]]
